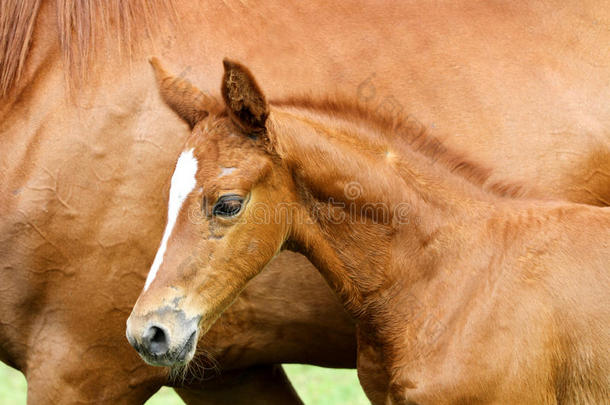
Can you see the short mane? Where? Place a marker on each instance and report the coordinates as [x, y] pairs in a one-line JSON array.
[[415, 135], [83, 26]]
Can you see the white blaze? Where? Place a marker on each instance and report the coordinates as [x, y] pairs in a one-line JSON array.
[[183, 182]]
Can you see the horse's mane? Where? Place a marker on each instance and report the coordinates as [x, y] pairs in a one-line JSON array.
[[82, 25], [414, 135]]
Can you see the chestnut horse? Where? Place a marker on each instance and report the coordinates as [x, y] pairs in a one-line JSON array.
[[459, 296], [87, 145]]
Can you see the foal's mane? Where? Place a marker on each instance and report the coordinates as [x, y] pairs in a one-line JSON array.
[[82, 26], [413, 135]]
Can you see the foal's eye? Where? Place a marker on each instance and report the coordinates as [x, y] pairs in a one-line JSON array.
[[228, 205]]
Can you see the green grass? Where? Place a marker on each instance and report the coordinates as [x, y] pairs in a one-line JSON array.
[[165, 396], [315, 385], [324, 386], [12, 386]]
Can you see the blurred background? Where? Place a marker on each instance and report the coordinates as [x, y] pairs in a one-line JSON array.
[[315, 385]]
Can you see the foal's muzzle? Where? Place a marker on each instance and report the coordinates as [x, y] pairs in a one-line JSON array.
[[164, 337]]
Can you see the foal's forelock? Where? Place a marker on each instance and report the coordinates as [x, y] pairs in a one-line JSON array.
[[182, 184]]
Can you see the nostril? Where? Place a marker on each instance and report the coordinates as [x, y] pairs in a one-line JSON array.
[[156, 341], [158, 335]]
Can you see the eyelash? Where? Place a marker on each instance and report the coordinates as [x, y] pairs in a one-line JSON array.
[[228, 205]]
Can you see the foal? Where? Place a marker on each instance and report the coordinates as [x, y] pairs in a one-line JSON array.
[[460, 296]]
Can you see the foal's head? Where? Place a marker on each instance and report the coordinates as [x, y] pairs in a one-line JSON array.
[[224, 219]]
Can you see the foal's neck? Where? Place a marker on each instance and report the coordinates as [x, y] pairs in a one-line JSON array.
[[376, 204]]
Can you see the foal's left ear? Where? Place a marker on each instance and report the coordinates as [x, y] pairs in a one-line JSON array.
[[190, 103], [245, 101]]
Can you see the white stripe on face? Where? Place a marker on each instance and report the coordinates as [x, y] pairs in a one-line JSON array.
[[183, 182]]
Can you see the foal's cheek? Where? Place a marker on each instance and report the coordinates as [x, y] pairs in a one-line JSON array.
[[213, 231], [217, 229]]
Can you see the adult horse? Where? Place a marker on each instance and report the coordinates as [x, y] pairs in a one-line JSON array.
[[514, 292], [85, 161]]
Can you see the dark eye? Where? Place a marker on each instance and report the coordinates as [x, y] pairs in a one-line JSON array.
[[228, 205]]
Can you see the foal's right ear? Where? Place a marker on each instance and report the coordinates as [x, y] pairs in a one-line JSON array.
[[246, 103], [190, 103]]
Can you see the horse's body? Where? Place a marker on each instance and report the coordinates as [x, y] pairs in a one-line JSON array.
[[84, 181], [459, 295]]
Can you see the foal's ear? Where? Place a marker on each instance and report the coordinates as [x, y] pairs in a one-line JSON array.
[[190, 103], [245, 101]]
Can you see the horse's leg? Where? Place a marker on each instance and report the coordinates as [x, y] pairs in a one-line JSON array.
[[72, 375], [52, 390], [58, 380], [256, 385], [40, 392]]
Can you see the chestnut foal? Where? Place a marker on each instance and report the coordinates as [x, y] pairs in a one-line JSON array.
[[460, 296]]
